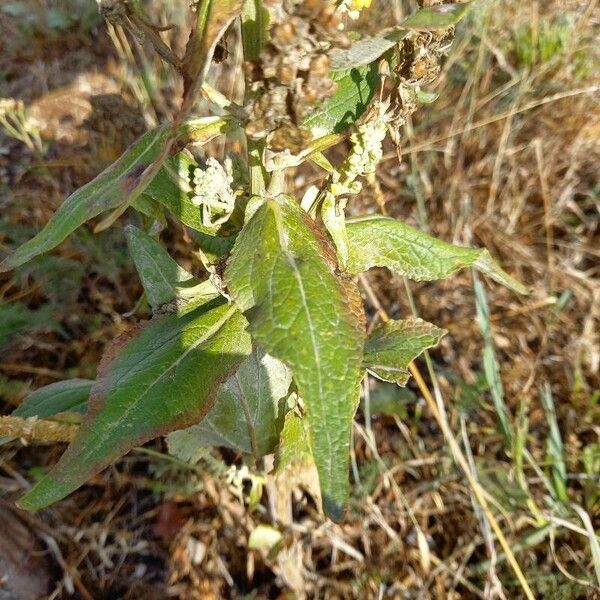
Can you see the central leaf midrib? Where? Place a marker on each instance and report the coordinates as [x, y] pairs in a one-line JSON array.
[[316, 352]]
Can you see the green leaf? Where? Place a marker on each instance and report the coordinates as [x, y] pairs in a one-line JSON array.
[[105, 192], [368, 49], [378, 241], [294, 443], [248, 412], [163, 379], [439, 16], [355, 90], [554, 445], [172, 188], [214, 247], [64, 396], [255, 28], [114, 186], [282, 272], [163, 279], [363, 52], [70, 395], [392, 346]]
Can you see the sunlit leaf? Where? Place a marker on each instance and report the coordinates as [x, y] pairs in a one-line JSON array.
[[114, 187], [162, 379], [393, 345], [282, 273], [248, 411], [368, 49], [355, 90], [439, 16], [378, 241]]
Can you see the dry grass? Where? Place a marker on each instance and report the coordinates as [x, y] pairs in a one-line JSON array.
[[506, 158]]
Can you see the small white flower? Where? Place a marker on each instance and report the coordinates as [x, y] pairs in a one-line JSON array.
[[213, 193]]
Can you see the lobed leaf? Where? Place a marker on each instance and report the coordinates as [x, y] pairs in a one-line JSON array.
[[392, 346], [248, 412], [355, 90], [163, 279], [378, 241], [163, 379], [282, 273]]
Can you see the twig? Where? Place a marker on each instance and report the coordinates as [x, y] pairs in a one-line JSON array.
[[38, 430]]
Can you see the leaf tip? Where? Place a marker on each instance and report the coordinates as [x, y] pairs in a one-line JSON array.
[[333, 508]]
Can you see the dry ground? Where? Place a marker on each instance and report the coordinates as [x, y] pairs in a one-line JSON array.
[[508, 158]]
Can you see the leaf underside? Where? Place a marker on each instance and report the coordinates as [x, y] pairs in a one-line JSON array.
[[248, 412], [392, 346], [163, 379], [378, 241], [282, 274]]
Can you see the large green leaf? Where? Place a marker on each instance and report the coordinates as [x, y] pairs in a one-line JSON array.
[[355, 90], [392, 346], [70, 395], [115, 186], [282, 272], [106, 191], [163, 279], [378, 241], [248, 411], [163, 379]]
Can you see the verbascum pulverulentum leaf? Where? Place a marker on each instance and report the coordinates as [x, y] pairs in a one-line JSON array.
[[378, 241], [248, 412], [393, 345], [162, 278], [282, 273], [162, 379]]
